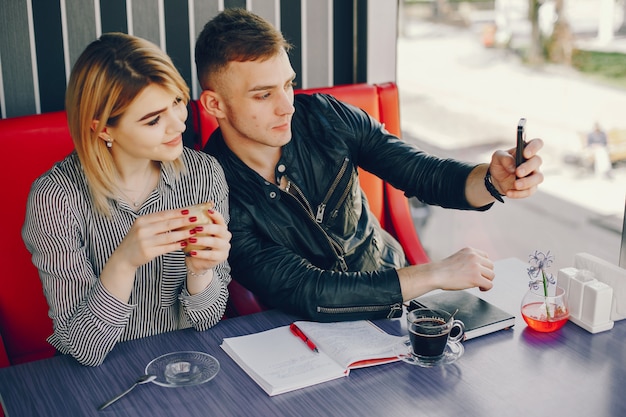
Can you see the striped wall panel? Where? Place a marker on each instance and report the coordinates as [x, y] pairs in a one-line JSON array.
[[335, 41]]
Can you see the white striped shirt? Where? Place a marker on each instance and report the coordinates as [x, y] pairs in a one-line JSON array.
[[70, 243]]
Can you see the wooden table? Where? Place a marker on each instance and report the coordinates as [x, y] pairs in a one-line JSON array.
[[510, 373]]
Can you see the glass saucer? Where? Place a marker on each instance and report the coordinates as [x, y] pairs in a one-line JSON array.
[[451, 353], [180, 369]]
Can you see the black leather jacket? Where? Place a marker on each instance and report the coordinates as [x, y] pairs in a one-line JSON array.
[[316, 250]]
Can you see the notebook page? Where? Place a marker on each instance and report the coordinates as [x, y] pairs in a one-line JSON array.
[[279, 361], [351, 341]]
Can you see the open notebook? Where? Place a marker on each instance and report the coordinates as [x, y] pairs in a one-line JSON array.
[[280, 362]]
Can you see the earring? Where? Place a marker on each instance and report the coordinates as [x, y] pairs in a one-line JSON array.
[[109, 144]]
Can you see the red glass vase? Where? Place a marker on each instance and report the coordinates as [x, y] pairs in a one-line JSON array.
[[545, 313]]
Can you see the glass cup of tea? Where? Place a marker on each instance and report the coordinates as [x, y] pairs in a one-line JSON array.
[[430, 330]]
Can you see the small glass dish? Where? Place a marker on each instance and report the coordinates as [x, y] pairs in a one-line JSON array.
[[180, 369]]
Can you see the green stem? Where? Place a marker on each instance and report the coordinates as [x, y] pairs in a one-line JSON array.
[[545, 292]]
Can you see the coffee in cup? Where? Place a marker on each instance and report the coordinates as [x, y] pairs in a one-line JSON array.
[[430, 330]]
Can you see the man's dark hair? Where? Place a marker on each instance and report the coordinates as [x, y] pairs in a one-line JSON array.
[[235, 35]]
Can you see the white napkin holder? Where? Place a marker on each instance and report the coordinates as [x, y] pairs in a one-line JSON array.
[[596, 292]]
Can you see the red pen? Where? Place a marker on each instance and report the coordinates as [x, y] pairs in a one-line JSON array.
[[296, 331]]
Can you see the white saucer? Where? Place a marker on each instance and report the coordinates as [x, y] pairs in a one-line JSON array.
[[451, 353], [180, 369]]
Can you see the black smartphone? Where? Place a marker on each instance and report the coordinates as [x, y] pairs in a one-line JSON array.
[[521, 142]]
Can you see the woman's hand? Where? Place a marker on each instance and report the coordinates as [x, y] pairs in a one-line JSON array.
[[156, 234], [150, 236]]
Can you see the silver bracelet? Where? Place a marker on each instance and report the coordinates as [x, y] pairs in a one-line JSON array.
[[196, 274]]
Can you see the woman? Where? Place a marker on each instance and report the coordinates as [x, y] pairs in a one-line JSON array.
[[106, 226]]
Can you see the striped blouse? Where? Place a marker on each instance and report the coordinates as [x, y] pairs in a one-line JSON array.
[[70, 243]]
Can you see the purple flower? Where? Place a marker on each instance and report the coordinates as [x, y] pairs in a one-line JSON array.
[[539, 262]]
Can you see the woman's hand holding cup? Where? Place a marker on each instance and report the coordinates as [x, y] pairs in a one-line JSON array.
[[201, 212], [207, 246]]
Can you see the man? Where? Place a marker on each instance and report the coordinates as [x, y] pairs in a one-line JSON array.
[[304, 239], [598, 145]]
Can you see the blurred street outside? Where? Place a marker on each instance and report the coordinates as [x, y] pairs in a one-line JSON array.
[[463, 100]]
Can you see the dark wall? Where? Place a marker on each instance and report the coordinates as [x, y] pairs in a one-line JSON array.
[[37, 50]]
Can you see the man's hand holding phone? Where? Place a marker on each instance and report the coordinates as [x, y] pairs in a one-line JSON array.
[[511, 174], [526, 179]]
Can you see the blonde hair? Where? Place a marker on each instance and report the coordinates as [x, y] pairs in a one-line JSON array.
[[105, 80]]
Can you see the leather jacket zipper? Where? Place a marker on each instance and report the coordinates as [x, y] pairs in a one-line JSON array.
[[393, 309], [321, 208], [303, 202], [346, 191]]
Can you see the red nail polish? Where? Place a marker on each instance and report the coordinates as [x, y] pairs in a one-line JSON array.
[[192, 231], [183, 244], [211, 211], [184, 212], [193, 240], [193, 253], [199, 228], [193, 219]]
